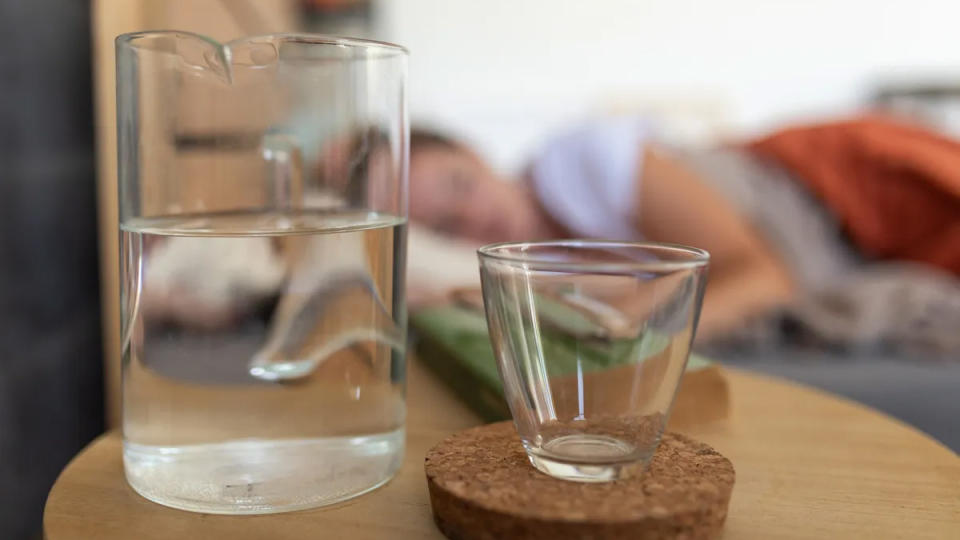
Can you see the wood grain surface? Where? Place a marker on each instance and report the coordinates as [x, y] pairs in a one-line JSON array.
[[809, 465]]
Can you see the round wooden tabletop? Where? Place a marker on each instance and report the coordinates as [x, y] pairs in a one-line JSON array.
[[809, 465]]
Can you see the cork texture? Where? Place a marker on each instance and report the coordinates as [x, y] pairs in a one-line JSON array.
[[483, 487]]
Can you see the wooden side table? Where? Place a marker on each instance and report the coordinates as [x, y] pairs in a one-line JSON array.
[[809, 465]]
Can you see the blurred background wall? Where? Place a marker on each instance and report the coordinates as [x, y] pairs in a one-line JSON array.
[[505, 72]]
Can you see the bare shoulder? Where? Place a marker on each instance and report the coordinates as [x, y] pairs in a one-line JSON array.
[[675, 205], [747, 276]]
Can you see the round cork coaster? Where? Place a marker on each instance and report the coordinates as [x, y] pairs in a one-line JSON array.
[[483, 487]]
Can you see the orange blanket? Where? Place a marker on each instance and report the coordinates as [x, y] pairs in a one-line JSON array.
[[894, 187]]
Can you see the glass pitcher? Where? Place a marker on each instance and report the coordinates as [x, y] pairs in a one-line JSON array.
[[263, 204]]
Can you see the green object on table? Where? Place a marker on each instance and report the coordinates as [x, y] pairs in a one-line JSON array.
[[453, 342]]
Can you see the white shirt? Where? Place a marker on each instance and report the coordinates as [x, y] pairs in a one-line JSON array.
[[586, 178]]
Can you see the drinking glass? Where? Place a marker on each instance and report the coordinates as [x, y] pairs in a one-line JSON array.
[[263, 205], [591, 339]]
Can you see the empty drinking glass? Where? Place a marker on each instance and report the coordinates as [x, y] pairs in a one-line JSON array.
[[591, 339]]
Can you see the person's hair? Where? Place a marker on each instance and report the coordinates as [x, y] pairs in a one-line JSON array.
[[366, 141], [423, 138]]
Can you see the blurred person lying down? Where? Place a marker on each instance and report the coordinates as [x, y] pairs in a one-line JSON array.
[[845, 232]]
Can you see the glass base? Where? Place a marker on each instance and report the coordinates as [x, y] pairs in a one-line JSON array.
[[588, 458], [263, 476]]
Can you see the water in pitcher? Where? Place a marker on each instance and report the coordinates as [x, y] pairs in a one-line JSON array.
[[264, 358]]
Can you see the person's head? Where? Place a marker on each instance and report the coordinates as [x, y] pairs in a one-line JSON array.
[[454, 191]]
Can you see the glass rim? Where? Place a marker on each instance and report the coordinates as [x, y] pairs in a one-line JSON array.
[[389, 49], [696, 257]]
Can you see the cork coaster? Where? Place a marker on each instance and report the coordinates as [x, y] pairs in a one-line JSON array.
[[483, 487]]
